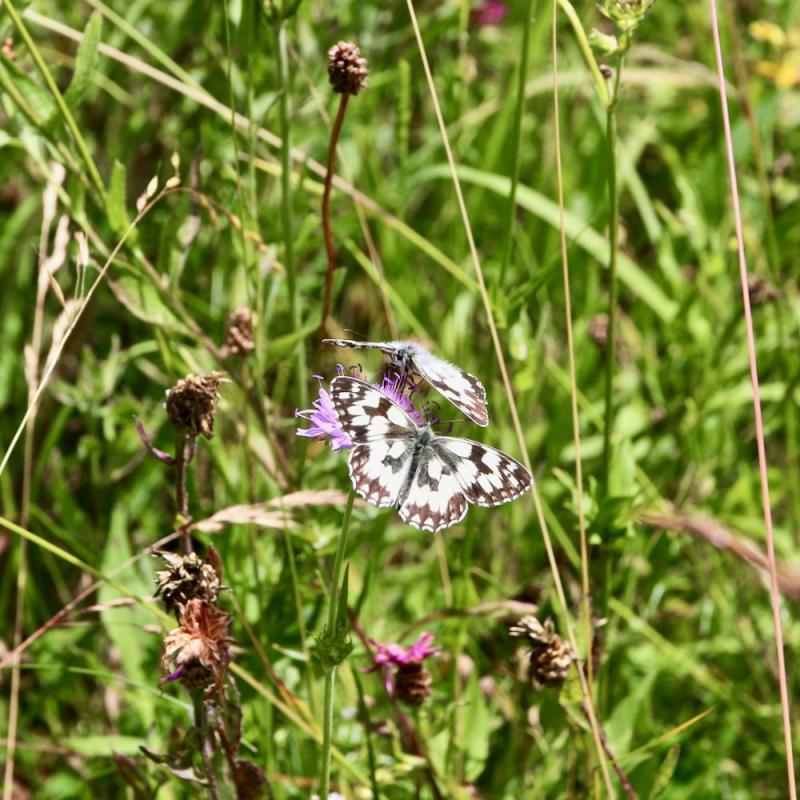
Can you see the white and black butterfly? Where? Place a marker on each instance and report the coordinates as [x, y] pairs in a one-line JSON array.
[[463, 390], [431, 479]]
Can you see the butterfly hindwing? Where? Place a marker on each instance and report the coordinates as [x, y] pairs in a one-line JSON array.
[[488, 477]]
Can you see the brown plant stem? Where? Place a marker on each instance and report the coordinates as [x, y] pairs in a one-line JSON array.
[[326, 213], [623, 778], [184, 446]]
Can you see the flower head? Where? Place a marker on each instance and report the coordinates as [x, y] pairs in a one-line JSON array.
[[549, 656], [239, 332], [347, 71], [403, 672], [192, 402], [197, 651], [186, 577], [489, 12]]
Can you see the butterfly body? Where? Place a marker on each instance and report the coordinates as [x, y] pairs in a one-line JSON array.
[[431, 479], [465, 391]]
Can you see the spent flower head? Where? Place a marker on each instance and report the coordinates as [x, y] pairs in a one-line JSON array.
[[186, 577], [239, 332], [549, 656], [192, 402], [197, 652]]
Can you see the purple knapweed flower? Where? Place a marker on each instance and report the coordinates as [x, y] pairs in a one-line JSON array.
[[396, 660], [325, 422], [488, 12]]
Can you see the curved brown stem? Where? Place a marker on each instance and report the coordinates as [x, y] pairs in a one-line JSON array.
[[326, 213]]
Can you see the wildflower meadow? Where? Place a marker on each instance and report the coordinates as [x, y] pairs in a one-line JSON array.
[[399, 401]]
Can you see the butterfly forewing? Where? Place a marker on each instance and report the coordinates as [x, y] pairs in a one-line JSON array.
[[463, 390], [365, 414]]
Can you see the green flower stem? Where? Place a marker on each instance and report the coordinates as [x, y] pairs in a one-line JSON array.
[[279, 33], [586, 51], [330, 675], [613, 238]]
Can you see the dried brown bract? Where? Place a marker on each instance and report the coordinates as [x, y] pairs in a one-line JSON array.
[[347, 71], [549, 656], [192, 403], [413, 684]]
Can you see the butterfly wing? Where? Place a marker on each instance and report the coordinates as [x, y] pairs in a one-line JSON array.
[[487, 476], [383, 438], [386, 347], [463, 390], [433, 499]]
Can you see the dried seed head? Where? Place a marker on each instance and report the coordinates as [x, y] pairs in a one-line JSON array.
[[197, 651], [239, 332], [761, 290], [186, 577], [598, 330], [347, 71], [192, 403], [549, 657], [413, 684]]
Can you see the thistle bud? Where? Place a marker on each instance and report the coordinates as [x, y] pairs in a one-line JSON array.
[[347, 71], [549, 656], [192, 403]]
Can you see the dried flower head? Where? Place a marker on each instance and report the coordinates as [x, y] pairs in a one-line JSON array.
[[196, 652], [549, 656], [347, 71], [761, 290], [192, 402], [239, 332], [404, 675], [185, 578]]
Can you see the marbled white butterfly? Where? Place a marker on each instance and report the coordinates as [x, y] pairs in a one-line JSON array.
[[431, 479]]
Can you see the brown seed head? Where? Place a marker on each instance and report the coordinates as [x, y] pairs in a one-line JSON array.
[[549, 657], [185, 577], [239, 332], [413, 684], [347, 71], [197, 651], [192, 403], [761, 290]]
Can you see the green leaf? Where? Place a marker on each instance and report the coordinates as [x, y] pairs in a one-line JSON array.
[[586, 237], [85, 61], [665, 772], [115, 200]]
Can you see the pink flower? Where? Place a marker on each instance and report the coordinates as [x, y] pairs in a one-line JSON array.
[[389, 657], [489, 12]]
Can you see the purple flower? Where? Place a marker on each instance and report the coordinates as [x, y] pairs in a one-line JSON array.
[[389, 657], [489, 12], [325, 422]]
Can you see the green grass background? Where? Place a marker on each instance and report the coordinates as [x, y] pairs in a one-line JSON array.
[[687, 627]]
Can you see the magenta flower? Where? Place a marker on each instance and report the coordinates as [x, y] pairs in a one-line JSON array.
[[325, 422], [488, 12], [394, 657]]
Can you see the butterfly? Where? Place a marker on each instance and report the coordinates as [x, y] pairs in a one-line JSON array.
[[463, 390], [431, 479]]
